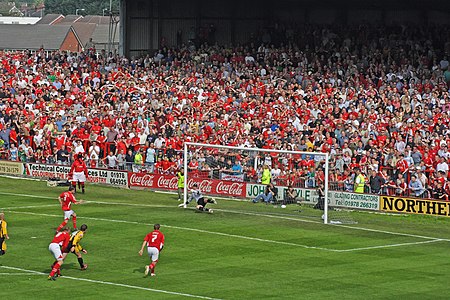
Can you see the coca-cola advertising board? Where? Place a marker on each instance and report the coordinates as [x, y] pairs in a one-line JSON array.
[[170, 182], [111, 177], [153, 181]]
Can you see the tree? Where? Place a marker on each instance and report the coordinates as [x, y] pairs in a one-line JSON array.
[[69, 7]]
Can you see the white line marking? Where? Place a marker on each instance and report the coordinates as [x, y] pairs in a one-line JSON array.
[[31, 206], [393, 233], [182, 228], [21, 178], [389, 246], [29, 196], [111, 283], [245, 237], [19, 274], [337, 225], [259, 215]]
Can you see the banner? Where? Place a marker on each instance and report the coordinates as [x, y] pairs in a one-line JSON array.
[[153, 181], [354, 200], [170, 182], [304, 195], [232, 177], [47, 171], [219, 187], [11, 167], [415, 206], [110, 177], [335, 199]]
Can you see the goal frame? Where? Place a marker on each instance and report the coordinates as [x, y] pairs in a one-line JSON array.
[[185, 166]]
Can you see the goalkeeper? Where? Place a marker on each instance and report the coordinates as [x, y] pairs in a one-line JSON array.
[[201, 200]]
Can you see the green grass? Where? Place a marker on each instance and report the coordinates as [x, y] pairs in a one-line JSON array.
[[242, 251]]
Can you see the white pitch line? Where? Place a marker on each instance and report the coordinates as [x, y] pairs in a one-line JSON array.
[[337, 225], [245, 237], [19, 274], [87, 201], [261, 215], [112, 283], [29, 196], [20, 178], [31, 206], [392, 233], [183, 228], [389, 246]]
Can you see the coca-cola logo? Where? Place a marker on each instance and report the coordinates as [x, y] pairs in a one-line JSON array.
[[141, 180], [168, 182], [205, 185], [235, 189]]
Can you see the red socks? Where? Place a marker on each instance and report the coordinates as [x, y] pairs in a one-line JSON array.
[[55, 269], [74, 221], [62, 225]]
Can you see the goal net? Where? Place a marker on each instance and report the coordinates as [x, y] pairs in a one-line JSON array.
[[265, 181]]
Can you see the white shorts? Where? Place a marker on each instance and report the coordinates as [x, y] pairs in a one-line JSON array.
[[68, 214], [55, 249], [79, 176], [153, 252]]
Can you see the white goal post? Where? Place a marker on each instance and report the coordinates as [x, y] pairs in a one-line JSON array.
[[188, 146]]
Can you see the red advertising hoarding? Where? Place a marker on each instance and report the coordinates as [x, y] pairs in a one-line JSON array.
[[170, 182]]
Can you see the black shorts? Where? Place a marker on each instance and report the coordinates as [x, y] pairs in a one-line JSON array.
[[67, 249], [201, 202]]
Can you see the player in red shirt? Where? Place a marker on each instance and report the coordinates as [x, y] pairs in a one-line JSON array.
[[60, 241], [155, 243], [66, 199], [78, 172]]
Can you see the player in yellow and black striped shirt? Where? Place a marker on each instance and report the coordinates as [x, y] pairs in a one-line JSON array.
[[3, 234], [75, 246]]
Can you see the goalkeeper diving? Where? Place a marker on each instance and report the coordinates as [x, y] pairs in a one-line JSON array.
[[201, 200]]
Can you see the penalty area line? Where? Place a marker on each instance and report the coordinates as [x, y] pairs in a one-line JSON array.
[[30, 206], [29, 196], [20, 274], [253, 214], [390, 245], [245, 237], [112, 283], [186, 229]]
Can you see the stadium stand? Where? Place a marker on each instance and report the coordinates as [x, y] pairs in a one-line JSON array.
[[375, 98]]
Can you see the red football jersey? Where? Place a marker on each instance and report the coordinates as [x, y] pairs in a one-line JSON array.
[[67, 199], [79, 166], [155, 239], [62, 239]]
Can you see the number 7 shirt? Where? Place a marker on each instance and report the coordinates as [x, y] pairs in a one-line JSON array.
[[155, 239]]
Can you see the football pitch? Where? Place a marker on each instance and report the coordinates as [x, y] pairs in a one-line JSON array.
[[241, 251]]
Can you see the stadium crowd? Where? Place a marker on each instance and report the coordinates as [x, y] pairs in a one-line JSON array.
[[375, 98]]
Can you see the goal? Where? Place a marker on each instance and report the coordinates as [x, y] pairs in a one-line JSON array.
[[240, 173]]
